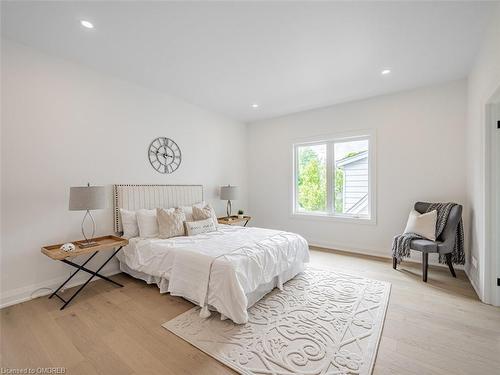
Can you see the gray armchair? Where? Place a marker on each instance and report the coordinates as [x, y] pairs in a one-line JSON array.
[[444, 243]]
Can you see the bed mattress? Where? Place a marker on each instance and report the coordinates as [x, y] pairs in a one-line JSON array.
[[229, 269]]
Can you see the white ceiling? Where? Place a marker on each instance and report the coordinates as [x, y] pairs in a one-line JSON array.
[[286, 56]]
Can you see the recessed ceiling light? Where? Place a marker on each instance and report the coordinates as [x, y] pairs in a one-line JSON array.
[[255, 105], [385, 72], [87, 24]]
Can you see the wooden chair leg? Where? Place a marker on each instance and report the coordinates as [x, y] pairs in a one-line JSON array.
[[450, 264], [425, 266], [394, 263]]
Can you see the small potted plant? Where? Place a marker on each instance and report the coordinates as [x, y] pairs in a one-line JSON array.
[[240, 214]]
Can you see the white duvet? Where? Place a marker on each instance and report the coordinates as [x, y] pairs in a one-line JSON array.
[[219, 268]]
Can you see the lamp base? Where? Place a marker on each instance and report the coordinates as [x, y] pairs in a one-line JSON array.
[[85, 244], [88, 240]]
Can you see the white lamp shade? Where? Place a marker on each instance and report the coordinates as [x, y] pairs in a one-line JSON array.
[[82, 198], [229, 193]]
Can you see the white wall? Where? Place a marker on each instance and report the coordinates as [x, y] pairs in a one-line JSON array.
[[64, 125], [420, 156], [483, 80]]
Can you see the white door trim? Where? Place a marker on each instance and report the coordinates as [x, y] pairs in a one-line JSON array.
[[492, 206]]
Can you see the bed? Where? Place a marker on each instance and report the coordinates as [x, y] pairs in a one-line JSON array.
[[227, 270]]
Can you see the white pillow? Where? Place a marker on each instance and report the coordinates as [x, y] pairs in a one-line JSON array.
[[200, 226], [188, 210], [205, 212], [129, 223], [422, 224], [147, 222], [170, 222]]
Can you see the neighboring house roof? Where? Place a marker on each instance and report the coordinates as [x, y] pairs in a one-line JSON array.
[[351, 159]]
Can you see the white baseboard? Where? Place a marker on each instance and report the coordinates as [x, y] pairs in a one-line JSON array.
[[473, 282], [46, 287], [348, 248], [370, 252]]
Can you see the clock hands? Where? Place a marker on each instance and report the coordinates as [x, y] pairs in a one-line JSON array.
[[165, 155]]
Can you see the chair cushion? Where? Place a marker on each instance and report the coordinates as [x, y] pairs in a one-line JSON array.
[[425, 246]]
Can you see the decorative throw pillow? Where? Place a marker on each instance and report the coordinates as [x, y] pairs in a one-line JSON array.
[[422, 224], [129, 223], [188, 210], [201, 226], [170, 222], [147, 222], [207, 212]]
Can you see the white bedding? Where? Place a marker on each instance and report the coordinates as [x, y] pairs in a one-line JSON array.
[[219, 268]]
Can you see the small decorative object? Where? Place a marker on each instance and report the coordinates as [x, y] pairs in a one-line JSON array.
[[240, 214], [164, 155], [68, 247], [229, 193], [86, 198]]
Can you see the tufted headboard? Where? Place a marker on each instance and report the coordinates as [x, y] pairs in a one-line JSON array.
[[134, 197]]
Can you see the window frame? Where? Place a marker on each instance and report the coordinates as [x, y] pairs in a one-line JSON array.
[[330, 141]]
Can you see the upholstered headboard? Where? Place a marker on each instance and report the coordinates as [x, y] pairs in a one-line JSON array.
[[134, 197]]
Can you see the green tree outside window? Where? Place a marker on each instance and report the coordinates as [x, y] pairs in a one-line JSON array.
[[311, 182]]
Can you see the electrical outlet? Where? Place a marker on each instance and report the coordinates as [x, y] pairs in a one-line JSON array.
[[474, 262]]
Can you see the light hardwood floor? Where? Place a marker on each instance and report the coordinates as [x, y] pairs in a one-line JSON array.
[[439, 327]]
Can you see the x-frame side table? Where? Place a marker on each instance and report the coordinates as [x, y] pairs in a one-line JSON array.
[[233, 220], [104, 243]]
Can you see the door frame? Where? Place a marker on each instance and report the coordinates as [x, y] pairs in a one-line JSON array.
[[491, 204]]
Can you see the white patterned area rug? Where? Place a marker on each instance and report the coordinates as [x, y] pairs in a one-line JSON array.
[[323, 322]]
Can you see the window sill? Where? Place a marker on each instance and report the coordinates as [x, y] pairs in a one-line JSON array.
[[329, 217]]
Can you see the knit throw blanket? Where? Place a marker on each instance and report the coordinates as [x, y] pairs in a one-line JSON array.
[[401, 243]]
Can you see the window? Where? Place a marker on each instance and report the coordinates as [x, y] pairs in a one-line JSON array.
[[311, 178], [334, 178]]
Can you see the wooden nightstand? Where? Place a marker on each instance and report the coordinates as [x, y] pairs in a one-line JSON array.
[[234, 220], [104, 243]]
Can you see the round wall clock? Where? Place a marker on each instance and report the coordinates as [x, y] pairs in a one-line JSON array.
[[164, 155]]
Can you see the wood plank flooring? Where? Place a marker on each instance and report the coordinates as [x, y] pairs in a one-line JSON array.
[[439, 327]]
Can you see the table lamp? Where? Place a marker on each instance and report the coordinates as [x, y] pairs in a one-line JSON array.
[[229, 193], [86, 198]]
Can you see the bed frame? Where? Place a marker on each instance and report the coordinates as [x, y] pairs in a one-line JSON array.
[[134, 197]]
